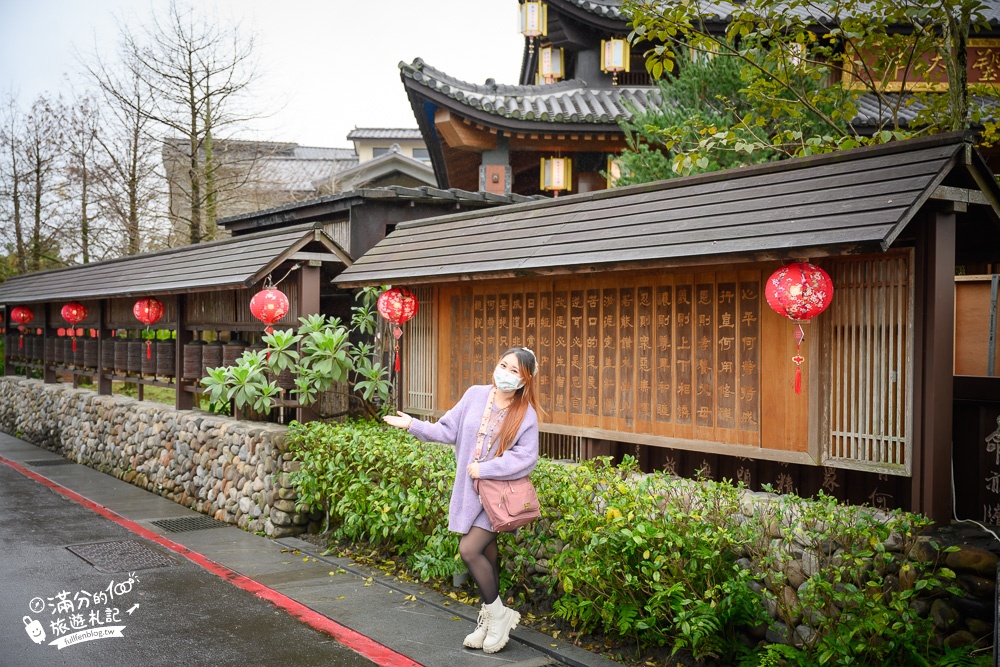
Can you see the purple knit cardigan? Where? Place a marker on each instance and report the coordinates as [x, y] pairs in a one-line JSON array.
[[458, 427]]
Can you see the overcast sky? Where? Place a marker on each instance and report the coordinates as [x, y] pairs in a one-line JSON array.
[[328, 65]]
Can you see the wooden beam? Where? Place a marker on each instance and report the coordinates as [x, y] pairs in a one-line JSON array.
[[457, 134], [586, 143], [316, 257], [933, 387], [103, 340], [960, 195], [183, 399], [309, 303]]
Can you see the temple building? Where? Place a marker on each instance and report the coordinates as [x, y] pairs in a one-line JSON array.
[[557, 129]]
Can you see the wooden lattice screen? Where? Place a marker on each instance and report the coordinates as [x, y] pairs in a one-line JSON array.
[[418, 354], [869, 329], [675, 355]]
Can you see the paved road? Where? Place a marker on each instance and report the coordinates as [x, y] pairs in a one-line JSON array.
[[175, 614]]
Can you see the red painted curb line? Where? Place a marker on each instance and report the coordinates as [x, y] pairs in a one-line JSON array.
[[369, 648]]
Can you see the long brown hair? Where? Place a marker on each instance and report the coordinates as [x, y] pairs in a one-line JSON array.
[[523, 397]]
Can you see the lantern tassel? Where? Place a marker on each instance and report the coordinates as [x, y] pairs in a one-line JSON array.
[[798, 379], [20, 342], [397, 358], [74, 343], [149, 353]]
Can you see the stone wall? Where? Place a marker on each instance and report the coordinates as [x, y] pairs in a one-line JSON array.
[[235, 471]]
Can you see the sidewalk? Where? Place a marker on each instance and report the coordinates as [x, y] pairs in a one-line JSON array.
[[362, 608]]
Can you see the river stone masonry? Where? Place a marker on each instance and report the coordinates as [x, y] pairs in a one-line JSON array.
[[235, 471]]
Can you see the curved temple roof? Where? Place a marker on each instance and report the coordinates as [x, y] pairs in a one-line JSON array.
[[518, 107]]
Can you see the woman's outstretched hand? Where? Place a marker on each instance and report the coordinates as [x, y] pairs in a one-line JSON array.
[[399, 420]]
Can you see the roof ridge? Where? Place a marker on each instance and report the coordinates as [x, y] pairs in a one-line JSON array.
[[302, 228], [419, 66]]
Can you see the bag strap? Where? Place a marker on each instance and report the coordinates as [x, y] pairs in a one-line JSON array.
[[484, 424]]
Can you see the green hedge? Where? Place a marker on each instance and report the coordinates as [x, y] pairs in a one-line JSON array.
[[651, 559]]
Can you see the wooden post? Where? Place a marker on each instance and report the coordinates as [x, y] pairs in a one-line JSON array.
[[8, 368], [309, 291], [184, 400], [49, 373], [103, 379], [933, 391]]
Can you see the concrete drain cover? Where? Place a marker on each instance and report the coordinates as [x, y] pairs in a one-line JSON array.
[[50, 462], [188, 523], [121, 556]]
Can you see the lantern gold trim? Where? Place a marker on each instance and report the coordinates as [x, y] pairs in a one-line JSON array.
[[551, 64], [534, 19], [555, 174], [615, 57]]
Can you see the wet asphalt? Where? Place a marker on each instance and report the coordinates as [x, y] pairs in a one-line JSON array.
[[174, 613], [91, 562]]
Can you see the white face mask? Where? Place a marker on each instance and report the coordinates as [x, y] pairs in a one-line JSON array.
[[506, 381]]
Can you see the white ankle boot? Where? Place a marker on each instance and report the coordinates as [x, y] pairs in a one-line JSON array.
[[476, 638], [501, 621]]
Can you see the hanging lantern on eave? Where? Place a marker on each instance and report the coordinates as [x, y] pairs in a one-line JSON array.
[[269, 305], [21, 315], [74, 313], [397, 305], [550, 64], [148, 311], [613, 171], [615, 57], [799, 291], [556, 173], [534, 19]]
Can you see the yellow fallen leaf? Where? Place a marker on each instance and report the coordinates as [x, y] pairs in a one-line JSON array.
[[456, 618], [411, 598], [306, 559], [341, 597]]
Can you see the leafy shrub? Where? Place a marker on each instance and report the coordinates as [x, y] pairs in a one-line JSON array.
[[653, 559], [380, 486], [319, 354]]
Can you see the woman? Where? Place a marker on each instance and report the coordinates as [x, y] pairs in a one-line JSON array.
[[495, 432]]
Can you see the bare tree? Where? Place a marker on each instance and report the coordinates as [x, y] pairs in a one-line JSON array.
[[199, 72], [131, 188], [83, 170], [43, 142], [13, 182]]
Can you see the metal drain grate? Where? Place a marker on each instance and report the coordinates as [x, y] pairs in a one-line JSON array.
[[50, 462], [121, 556], [189, 523]]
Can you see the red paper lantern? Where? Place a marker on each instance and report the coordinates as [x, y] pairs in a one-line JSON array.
[[269, 305], [21, 315], [799, 291], [397, 305], [148, 311], [74, 313]]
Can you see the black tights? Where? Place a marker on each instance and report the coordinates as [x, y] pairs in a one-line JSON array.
[[478, 549]]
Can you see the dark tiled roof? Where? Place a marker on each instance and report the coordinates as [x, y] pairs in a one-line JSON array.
[[611, 9], [874, 114], [391, 192], [724, 10], [237, 261], [565, 102], [854, 200], [404, 133]]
